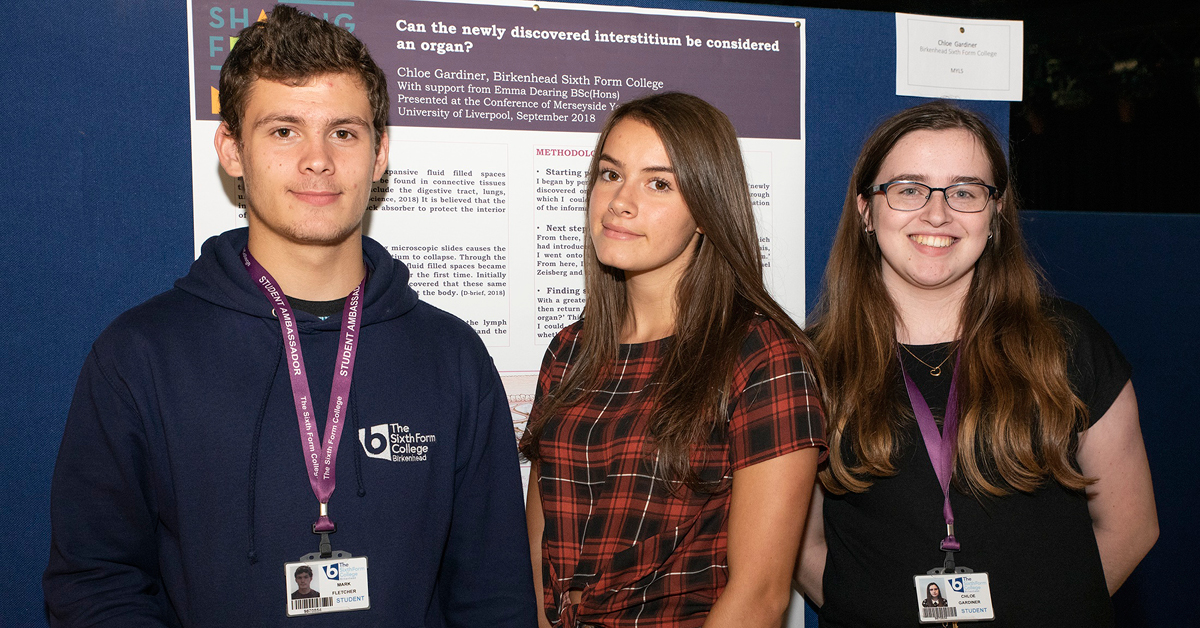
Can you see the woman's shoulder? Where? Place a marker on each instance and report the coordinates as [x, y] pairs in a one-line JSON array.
[[769, 346], [567, 335], [766, 336], [767, 331], [1083, 333], [1070, 316], [774, 402], [561, 346], [1095, 365]]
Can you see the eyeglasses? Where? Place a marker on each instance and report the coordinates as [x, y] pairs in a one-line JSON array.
[[908, 196]]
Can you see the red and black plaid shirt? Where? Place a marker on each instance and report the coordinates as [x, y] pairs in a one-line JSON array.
[[639, 555]]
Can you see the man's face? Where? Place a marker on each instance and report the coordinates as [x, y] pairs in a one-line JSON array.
[[303, 580], [307, 158]]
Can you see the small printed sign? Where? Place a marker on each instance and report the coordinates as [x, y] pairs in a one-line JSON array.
[[941, 57]]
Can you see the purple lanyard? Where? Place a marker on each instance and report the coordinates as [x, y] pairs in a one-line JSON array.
[[939, 446], [320, 455]]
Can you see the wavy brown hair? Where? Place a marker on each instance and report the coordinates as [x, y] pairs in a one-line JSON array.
[[1018, 414], [717, 297]]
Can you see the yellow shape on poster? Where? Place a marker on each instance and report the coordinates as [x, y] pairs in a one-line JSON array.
[[216, 100]]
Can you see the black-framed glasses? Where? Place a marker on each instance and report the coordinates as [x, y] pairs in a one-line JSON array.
[[908, 196]]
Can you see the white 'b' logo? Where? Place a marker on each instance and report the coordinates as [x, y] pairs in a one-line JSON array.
[[375, 441]]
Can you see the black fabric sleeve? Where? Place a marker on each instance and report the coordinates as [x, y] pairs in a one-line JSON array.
[[1096, 367]]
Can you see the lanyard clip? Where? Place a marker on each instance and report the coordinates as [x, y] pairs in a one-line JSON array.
[[323, 525], [950, 544]]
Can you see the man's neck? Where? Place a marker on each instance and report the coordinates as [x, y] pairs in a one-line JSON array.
[[311, 272]]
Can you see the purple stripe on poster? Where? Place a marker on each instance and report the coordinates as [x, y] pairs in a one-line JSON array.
[[550, 69]]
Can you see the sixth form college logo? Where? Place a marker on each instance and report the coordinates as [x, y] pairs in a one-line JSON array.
[[375, 441], [396, 442]]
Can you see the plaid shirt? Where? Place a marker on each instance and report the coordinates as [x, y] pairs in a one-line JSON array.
[[639, 555]]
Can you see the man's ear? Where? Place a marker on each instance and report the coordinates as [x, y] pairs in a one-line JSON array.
[[381, 155], [228, 151]]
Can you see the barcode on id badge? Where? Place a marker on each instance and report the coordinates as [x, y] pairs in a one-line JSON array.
[[311, 603], [939, 612]]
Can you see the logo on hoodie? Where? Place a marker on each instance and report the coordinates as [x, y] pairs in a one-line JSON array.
[[396, 442]]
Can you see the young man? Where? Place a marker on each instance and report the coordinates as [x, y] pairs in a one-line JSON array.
[[304, 588], [202, 448]]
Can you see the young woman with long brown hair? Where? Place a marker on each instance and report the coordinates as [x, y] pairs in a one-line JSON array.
[[677, 426], [975, 421]]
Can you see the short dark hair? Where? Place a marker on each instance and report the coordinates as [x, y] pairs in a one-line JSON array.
[[303, 569], [292, 47]]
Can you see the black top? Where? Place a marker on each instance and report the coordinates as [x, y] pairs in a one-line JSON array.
[[1038, 549], [935, 388], [320, 309]]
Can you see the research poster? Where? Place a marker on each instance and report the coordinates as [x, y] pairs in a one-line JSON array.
[[494, 115]]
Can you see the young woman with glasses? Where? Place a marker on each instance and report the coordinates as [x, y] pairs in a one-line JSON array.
[[975, 422], [677, 426]]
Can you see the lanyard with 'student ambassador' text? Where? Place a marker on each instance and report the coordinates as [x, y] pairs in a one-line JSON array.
[[320, 455]]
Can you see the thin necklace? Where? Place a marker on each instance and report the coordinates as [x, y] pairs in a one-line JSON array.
[[935, 371]]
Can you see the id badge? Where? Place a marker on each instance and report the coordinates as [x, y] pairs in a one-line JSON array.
[[953, 597], [326, 586]]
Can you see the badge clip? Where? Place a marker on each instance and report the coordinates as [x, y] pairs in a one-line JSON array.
[[324, 527], [325, 548], [948, 568]]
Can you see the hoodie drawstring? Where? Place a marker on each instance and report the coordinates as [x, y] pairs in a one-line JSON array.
[[254, 446], [362, 488]]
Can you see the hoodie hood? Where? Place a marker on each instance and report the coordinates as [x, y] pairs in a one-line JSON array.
[[219, 277], [182, 464]]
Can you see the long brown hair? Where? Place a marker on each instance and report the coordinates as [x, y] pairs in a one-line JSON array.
[[1018, 414], [718, 295]]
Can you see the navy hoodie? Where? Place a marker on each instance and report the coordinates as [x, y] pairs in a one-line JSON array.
[[180, 488]]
